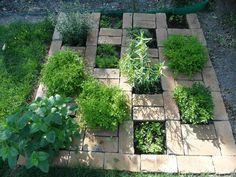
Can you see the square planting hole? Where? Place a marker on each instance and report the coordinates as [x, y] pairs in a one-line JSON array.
[[107, 56], [149, 138], [148, 33], [111, 21], [177, 21], [148, 88]]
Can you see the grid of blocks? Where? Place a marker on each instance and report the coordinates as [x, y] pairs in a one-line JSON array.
[[206, 148]]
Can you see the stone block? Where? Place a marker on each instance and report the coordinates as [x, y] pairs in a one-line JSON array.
[[62, 159], [170, 107], [94, 20], [142, 20], [210, 79], [187, 83], [92, 38], [124, 84], [126, 138], [117, 161], [161, 21], [193, 21], [110, 32], [167, 80], [153, 53], [224, 164], [200, 35], [127, 20], [55, 47], [79, 50], [147, 100], [114, 82], [90, 56], [41, 91], [161, 35], [106, 73], [77, 142], [219, 107], [162, 57], [148, 113], [186, 32], [56, 35], [101, 132], [195, 77], [109, 40]]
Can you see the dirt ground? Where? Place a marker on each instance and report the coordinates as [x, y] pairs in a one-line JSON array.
[[219, 29]]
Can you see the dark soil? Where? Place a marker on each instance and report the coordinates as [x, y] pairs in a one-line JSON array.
[[155, 89], [177, 21], [109, 21]]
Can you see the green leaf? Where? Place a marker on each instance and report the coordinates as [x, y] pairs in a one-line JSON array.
[[13, 151], [21, 122], [42, 156], [12, 161], [44, 166], [51, 136], [53, 117], [34, 128], [4, 135]]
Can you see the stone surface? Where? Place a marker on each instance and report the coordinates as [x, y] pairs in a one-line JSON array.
[[77, 142], [92, 159], [193, 21], [109, 40], [147, 100], [167, 80], [210, 79], [114, 82], [148, 113], [79, 50], [159, 163], [124, 85], [200, 35], [201, 132], [62, 159], [92, 38], [100, 132], [123, 51], [126, 136], [55, 47], [94, 20], [106, 73], [162, 57], [195, 164], [161, 21], [225, 137], [153, 53], [142, 20], [187, 83], [201, 147], [41, 91], [224, 164], [21, 160], [174, 141], [186, 32], [116, 161], [219, 107], [90, 55], [125, 39], [56, 35], [127, 20], [110, 32], [161, 35], [195, 77], [100, 144], [171, 109]]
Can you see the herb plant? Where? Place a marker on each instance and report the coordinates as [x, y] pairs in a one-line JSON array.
[[111, 22], [74, 27], [107, 56], [185, 53], [136, 65], [64, 73], [195, 104], [37, 132], [150, 138], [102, 106]]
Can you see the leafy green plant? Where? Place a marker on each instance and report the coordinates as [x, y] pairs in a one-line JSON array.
[[64, 73], [74, 27], [195, 104], [136, 65], [102, 106], [37, 132], [185, 53], [107, 56], [111, 22], [150, 137]]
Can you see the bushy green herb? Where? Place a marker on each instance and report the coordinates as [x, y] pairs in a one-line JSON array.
[[23, 47], [110, 22], [185, 53], [74, 27], [136, 65], [195, 104], [38, 132], [64, 73], [102, 106], [107, 56], [150, 137]]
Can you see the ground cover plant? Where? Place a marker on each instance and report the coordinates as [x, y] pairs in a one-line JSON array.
[[186, 54], [195, 103], [74, 27], [107, 56], [64, 73], [177, 21], [38, 131], [149, 138], [135, 64], [23, 48], [102, 106], [111, 21]]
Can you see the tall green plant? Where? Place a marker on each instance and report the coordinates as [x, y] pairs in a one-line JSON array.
[[136, 65], [38, 132]]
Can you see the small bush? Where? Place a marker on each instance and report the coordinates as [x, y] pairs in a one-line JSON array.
[[102, 106], [150, 137], [107, 56], [136, 65], [74, 27], [111, 22], [38, 132], [185, 53], [195, 104], [64, 73]]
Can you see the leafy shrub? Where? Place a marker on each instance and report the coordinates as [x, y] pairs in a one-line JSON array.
[[38, 132], [195, 104], [150, 137], [107, 56], [64, 73], [74, 27], [136, 65], [102, 106], [185, 53], [111, 22]]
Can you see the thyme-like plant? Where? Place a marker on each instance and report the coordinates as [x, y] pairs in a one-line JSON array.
[[136, 65]]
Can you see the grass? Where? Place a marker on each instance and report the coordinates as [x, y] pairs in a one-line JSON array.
[[22, 49]]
